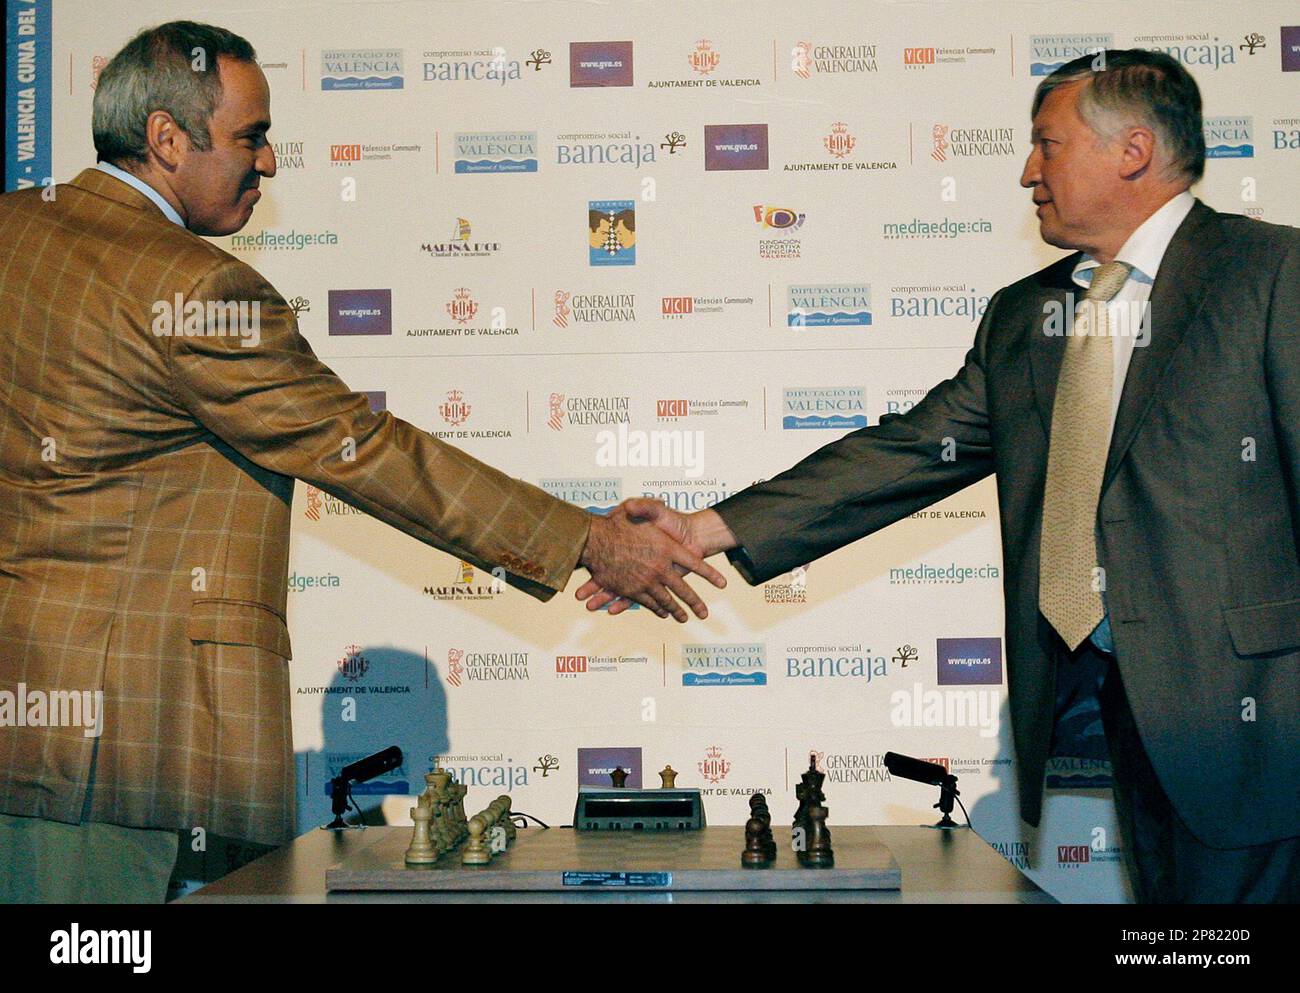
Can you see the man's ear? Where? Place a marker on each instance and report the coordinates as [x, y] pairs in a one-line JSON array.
[[166, 141], [1137, 153]]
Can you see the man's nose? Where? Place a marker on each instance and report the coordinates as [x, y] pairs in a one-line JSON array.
[[265, 161], [1029, 176]]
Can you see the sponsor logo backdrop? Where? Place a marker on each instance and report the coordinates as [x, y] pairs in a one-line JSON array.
[[643, 249]]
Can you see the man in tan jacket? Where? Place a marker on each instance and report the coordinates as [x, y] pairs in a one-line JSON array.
[[146, 476]]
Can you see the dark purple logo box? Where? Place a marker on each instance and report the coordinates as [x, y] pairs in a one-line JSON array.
[[361, 311], [970, 661], [600, 63], [735, 146], [1291, 49], [595, 765], [378, 399]]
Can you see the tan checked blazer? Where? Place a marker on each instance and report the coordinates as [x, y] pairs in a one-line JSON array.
[[145, 487]]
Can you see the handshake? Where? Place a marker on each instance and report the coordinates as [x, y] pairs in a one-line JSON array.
[[642, 550]]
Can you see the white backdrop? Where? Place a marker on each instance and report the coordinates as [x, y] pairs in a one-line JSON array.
[[922, 110]]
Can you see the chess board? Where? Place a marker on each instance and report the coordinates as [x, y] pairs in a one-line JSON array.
[[562, 859]]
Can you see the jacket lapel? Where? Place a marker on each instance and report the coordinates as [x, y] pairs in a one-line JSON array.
[[1176, 297], [1046, 352]]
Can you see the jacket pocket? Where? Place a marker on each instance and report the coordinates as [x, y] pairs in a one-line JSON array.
[[239, 622], [1264, 628]]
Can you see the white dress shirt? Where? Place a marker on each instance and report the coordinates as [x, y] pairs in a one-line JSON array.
[[144, 188], [1143, 251]]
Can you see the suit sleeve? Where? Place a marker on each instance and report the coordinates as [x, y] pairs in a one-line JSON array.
[[1282, 369], [281, 408], [870, 478]]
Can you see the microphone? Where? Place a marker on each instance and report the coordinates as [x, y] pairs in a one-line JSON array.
[[931, 774], [361, 771], [364, 770], [906, 767]]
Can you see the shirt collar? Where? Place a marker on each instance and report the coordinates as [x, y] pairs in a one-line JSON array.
[[139, 184], [1145, 246]]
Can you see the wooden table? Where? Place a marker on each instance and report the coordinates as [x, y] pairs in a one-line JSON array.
[[936, 866]]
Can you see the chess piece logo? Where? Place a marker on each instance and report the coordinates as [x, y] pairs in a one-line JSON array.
[[704, 59], [454, 410], [715, 767], [840, 142], [455, 665], [562, 310], [353, 665], [462, 307]]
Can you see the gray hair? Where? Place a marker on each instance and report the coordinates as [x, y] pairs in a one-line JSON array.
[[172, 67], [1135, 86]]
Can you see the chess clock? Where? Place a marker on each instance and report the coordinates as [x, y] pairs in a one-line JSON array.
[[603, 809]]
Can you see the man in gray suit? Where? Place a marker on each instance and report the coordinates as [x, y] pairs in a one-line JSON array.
[[1149, 486]]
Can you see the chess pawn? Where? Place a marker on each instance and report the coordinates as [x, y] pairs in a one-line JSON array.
[[758, 808], [755, 855], [422, 850], [459, 820], [476, 852], [507, 819], [818, 854], [668, 778]]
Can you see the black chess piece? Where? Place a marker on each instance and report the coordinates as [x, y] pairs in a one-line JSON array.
[[813, 780], [801, 814], [619, 778], [755, 855], [758, 808], [817, 853]]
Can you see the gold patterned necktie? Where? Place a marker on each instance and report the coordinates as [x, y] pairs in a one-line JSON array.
[[1069, 585]]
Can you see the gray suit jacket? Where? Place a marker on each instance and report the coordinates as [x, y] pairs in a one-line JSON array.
[[1198, 524]]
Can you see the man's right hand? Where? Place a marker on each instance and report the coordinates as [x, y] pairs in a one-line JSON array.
[[632, 558], [703, 534]]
